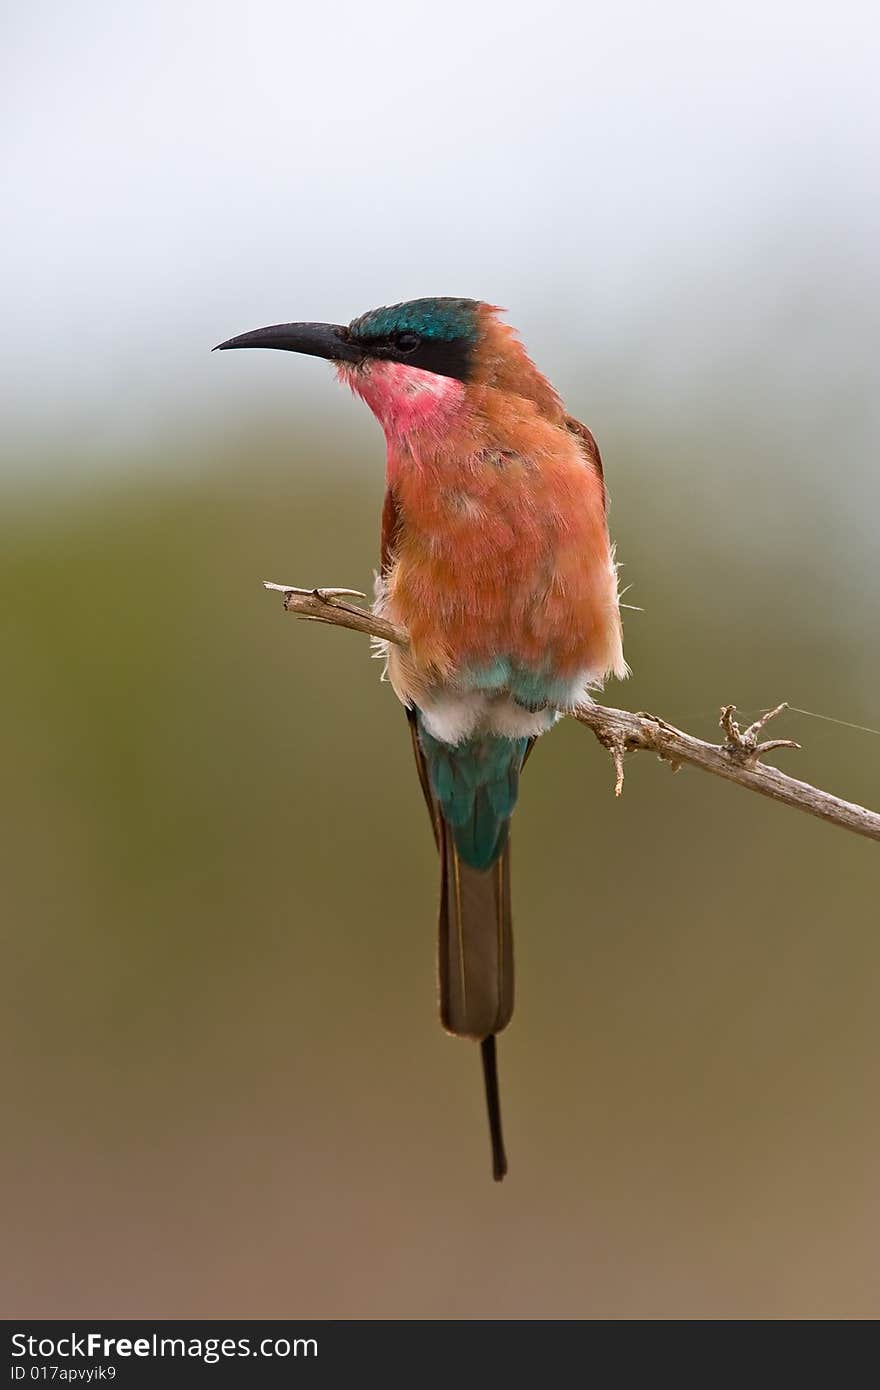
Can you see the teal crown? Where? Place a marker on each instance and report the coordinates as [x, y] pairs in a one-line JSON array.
[[436, 320]]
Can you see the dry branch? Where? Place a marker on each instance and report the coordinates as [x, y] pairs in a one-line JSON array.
[[738, 759]]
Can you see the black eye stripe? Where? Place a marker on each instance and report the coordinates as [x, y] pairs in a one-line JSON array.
[[443, 357]]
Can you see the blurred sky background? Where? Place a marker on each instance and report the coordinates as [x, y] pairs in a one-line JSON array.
[[228, 1091]]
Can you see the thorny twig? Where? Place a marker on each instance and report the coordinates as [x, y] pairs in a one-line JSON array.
[[738, 759]]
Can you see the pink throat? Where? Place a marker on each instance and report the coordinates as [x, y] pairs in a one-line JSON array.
[[405, 400]]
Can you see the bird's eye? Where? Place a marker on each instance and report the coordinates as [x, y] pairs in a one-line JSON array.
[[407, 342]]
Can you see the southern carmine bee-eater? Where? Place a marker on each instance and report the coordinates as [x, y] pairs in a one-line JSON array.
[[496, 559]]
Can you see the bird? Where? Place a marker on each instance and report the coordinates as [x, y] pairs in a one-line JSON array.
[[497, 561]]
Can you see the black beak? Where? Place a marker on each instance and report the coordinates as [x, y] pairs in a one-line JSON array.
[[329, 340]]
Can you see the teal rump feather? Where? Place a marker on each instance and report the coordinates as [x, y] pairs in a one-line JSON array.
[[476, 783]]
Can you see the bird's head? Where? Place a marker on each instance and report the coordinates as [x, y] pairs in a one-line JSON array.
[[415, 363]]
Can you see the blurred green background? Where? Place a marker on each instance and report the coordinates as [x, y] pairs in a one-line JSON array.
[[227, 1092]]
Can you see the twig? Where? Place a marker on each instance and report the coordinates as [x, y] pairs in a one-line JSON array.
[[734, 761], [329, 606], [738, 759]]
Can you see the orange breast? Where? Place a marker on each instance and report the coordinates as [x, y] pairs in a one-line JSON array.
[[503, 549]]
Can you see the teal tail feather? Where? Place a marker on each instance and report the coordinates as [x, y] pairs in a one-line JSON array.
[[476, 784], [471, 790]]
